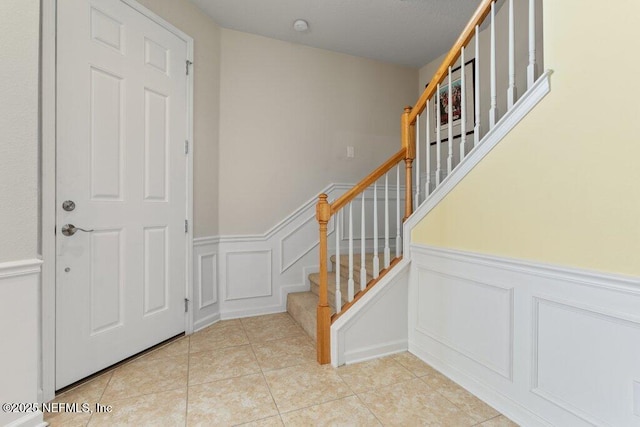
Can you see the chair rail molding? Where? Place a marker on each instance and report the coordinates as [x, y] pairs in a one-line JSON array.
[[559, 323]]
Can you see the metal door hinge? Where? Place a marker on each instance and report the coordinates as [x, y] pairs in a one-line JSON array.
[[186, 305], [186, 147], [186, 225], [188, 64]]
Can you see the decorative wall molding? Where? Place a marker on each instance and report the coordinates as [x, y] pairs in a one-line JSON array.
[[520, 109], [375, 326], [20, 282], [205, 307], [578, 276], [309, 223], [20, 268], [576, 335], [278, 262], [451, 281], [255, 283], [33, 419], [203, 280]]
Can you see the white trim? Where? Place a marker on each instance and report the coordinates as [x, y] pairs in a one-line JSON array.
[[48, 188], [206, 241], [214, 299], [375, 352], [33, 419], [264, 293], [302, 253], [249, 312], [20, 268], [205, 322], [521, 108], [284, 223], [508, 407], [49, 33], [579, 276], [610, 299], [339, 354]]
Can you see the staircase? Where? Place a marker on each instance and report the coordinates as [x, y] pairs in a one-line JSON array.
[[459, 117], [302, 305]]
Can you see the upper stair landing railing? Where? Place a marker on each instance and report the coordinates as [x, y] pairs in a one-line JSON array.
[[458, 79], [480, 80]]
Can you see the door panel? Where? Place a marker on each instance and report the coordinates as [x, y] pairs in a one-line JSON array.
[[121, 127]]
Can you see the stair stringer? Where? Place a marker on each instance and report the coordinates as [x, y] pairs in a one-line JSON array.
[[377, 324], [525, 104]]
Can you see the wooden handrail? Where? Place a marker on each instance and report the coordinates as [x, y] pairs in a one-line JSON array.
[[469, 31], [366, 182]]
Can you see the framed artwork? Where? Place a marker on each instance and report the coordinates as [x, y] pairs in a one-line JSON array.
[[456, 103]]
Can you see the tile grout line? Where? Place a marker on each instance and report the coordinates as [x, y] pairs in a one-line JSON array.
[[186, 403], [262, 373], [437, 390], [369, 409], [102, 394]]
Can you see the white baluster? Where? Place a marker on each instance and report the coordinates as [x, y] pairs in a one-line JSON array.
[[363, 249], [438, 137], [427, 185], [338, 291], [416, 199], [398, 218], [476, 108], [376, 259], [511, 91], [350, 283], [493, 110], [450, 120], [387, 250], [531, 68], [463, 106]]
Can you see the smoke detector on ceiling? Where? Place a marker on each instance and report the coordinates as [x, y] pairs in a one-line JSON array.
[[300, 25]]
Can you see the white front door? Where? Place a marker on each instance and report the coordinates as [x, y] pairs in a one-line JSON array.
[[121, 131]]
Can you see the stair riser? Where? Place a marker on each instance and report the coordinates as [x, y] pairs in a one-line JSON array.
[[315, 288]]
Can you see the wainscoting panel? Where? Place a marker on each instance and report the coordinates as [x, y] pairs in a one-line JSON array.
[[545, 345], [19, 316], [479, 318], [205, 304], [248, 274]]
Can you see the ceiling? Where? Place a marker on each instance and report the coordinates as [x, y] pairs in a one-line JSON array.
[[405, 32]]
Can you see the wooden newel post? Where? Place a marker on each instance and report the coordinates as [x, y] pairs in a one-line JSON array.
[[408, 140], [323, 214]]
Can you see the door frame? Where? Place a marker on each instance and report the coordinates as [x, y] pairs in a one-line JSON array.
[[47, 341]]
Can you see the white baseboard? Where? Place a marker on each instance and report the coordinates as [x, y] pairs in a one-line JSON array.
[[20, 291], [376, 325], [33, 419], [543, 344], [375, 351], [206, 321], [509, 407]]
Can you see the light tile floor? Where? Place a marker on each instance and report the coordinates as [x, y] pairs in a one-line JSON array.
[[261, 371]]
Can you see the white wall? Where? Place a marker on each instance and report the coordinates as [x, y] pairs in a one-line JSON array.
[[206, 99], [545, 345], [19, 317], [19, 44], [288, 112]]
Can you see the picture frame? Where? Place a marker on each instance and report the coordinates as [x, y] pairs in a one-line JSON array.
[[443, 97]]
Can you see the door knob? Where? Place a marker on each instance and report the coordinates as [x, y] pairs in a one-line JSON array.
[[70, 229]]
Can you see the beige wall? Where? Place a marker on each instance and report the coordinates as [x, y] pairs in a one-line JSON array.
[[19, 50], [288, 112], [562, 187], [206, 35]]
